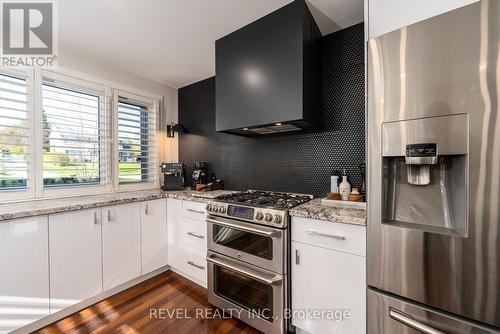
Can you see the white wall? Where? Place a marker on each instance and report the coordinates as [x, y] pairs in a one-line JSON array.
[[168, 147], [388, 15]]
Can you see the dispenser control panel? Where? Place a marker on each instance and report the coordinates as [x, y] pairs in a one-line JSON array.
[[421, 150]]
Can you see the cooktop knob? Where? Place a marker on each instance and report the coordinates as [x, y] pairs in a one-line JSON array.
[[222, 209], [269, 217], [209, 207], [259, 216], [277, 219]]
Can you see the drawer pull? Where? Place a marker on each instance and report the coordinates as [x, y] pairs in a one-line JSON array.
[[412, 323], [320, 234], [146, 211], [96, 222], [191, 263], [196, 211], [109, 215], [196, 235]]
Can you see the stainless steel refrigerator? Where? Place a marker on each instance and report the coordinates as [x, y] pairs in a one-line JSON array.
[[434, 175]]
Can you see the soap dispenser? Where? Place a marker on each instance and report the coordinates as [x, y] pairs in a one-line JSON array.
[[344, 187]]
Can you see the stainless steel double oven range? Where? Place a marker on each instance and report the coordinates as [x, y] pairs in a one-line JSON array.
[[248, 246]]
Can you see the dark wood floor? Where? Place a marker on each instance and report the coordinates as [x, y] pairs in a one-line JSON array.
[[130, 311]]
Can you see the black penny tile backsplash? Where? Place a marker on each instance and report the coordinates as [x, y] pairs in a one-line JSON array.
[[293, 163]]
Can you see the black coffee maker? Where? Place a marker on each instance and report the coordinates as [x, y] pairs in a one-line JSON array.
[[200, 173], [174, 176]]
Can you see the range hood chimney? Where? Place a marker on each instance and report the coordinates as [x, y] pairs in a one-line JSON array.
[[268, 75]]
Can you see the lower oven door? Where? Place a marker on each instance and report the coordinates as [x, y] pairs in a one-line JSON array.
[[259, 245], [248, 293]]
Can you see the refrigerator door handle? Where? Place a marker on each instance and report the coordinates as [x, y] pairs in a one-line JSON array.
[[410, 322]]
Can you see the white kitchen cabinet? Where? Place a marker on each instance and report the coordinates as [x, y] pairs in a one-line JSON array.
[[193, 239], [75, 257], [121, 240], [345, 238], [24, 273], [174, 218], [388, 15], [194, 210], [328, 280], [187, 239], [154, 235]]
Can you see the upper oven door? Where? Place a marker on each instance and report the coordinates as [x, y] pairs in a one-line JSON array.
[[255, 244]]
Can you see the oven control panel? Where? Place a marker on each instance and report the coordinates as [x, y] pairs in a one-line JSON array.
[[262, 216]]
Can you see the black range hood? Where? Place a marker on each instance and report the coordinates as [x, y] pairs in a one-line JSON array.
[[268, 75]]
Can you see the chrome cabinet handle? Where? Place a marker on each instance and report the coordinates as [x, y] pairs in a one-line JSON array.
[[96, 222], [109, 215], [297, 256], [242, 228], [244, 271], [146, 211], [196, 211], [410, 322], [196, 235], [195, 265], [334, 236]]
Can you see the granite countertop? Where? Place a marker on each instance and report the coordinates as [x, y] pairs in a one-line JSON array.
[[15, 210], [346, 213]]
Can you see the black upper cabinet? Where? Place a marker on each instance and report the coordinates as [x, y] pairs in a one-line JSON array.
[[268, 73]]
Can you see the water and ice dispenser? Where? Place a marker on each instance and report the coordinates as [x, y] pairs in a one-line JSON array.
[[425, 174]]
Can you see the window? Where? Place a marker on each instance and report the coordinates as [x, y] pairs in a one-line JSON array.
[[73, 121], [65, 136], [14, 133], [136, 141]]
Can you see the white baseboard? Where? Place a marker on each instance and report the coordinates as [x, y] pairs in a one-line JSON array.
[[54, 317]]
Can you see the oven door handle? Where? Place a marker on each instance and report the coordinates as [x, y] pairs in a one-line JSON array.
[[244, 271], [243, 228]]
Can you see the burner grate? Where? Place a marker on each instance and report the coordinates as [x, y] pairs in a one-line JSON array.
[[266, 199]]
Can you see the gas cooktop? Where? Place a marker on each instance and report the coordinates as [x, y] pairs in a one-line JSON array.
[[266, 199], [259, 207]]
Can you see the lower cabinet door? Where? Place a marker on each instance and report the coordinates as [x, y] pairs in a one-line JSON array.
[[154, 235], [121, 244], [24, 273], [75, 257], [328, 290]]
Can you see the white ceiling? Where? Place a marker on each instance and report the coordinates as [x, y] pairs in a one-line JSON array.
[[172, 41]]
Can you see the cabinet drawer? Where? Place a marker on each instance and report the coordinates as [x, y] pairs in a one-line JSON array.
[[341, 237], [196, 267], [194, 210], [193, 237]]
